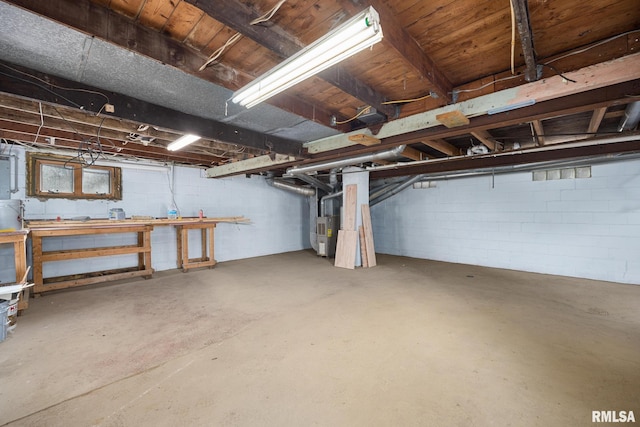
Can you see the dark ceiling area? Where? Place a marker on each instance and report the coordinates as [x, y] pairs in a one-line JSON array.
[[453, 85]]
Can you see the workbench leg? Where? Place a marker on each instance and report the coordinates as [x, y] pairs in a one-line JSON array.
[[179, 245], [147, 253], [38, 284], [203, 241], [184, 235], [21, 269], [212, 258], [141, 254]]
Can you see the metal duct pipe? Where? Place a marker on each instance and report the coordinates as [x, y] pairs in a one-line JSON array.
[[315, 182], [302, 191], [324, 198], [381, 155], [392, 192], [333, 178], [631, 117]]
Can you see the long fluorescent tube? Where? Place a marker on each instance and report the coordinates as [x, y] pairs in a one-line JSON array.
[[182, 142], [358, 33]]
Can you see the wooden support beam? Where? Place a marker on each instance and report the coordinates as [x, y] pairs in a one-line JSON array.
[[250, 165], [543, 99], [105, 24], [237, 16], [486, 138], [539, 131], [88, 98], [496, 161], [596, 119], [413, 154], [442, 146], [521, 11]]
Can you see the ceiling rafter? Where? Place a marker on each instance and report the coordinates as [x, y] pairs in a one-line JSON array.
[[399, 39], [115, 28], [133, 109], [237, 16]]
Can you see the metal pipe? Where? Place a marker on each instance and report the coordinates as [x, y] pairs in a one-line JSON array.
[[390, 193], [324, 198], [315, 182], [15, 187], [381, 155], [631, 117], [302, 191], [586, 143]]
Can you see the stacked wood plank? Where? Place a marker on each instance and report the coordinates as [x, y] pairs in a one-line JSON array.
[[348, 236]]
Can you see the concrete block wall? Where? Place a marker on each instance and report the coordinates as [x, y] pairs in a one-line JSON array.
[[279, 220], [586, 227]]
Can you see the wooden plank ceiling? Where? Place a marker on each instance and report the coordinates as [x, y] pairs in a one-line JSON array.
[[434, 53]]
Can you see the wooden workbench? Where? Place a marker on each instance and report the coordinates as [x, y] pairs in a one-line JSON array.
[[143, 227], [18, 239]]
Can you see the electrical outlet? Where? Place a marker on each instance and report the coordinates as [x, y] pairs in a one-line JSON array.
[[109, 108]]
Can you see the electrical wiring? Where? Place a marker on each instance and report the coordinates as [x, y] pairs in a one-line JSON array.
[[57, 86], [43, 88], [513, 38], [404, 101], [364, 110], [559, 73], [591, 46], [485, 85], [234, 38], [267, 16]]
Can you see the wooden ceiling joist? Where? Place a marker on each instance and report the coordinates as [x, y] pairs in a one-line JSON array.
[[539, 131], [486, 138], [234, 14], [413, 154], [442, 146], [596, 119]]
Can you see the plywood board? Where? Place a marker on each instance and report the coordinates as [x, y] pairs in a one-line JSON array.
[[363, 248], [453, 119], [350, 204], [368, 236], [346, 249], [364, 139]]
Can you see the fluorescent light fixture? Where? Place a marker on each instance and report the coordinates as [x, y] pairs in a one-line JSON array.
[[358, 33], [182, 142]]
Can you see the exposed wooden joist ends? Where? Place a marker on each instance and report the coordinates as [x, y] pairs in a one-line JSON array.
[[237, 16]]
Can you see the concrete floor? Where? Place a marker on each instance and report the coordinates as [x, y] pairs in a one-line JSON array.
[[289, 340]]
